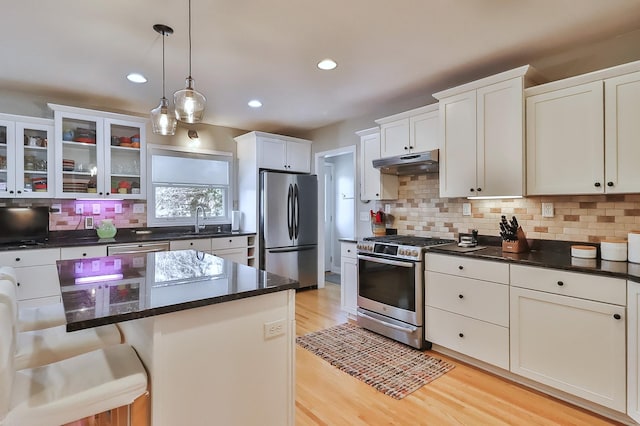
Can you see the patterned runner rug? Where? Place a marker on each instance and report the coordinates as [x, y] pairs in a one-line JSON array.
[[392, 368]]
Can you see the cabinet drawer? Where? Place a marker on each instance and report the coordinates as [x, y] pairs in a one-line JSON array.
[[228, 242], [348, 250], [237, 255], [80, 252], [37, 281], [21, 258], [470, 268], [477, 339], [201, 244], [585, 286], [482, 300]]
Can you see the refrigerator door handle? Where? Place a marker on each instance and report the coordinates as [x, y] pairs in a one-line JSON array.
[[296, 203], [290, 249], [290, 211]]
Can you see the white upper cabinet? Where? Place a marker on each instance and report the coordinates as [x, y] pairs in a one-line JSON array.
[[282, 153], [373, 184], [482, 136], [582, 134], [99, 154], [409, 132], [26, 157]]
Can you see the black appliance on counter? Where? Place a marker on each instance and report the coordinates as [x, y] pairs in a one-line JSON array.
[[391, 286], [24, 225]]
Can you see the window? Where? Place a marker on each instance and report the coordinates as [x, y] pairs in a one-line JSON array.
[[183, 180]]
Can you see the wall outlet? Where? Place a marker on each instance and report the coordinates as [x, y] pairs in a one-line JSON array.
[[387, 208], [138, 208], [547, 209], [88, 222], [466, 209], [274, 328], [118, 208], [56, 208], [79, 209], [96, 208]]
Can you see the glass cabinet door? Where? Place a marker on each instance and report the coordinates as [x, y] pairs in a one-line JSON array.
[[7, 156], [125, 158], [34, 160], [79, 156]]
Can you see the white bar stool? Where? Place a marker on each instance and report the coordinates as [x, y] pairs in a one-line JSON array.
[[39, 347], [35, 318], [68, 390]]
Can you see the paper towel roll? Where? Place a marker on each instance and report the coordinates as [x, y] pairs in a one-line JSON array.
[[236, 218], [634, 246]]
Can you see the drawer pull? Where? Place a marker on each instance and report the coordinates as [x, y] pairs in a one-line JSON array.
[[460, 267], [17, 259], [230, 241], [190, 244], [84, 254], [617, 316], [560, 283], [460, 296], [460, 335], [18, 284]]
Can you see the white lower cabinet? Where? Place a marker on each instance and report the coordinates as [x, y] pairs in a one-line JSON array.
[[235, 249], [82, 252], [349, 278], [633, 350], [36, 272], [568, 342], [464, 311], [200, 244], [238, 255]]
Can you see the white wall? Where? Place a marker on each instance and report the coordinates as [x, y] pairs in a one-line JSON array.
[[344, 199]]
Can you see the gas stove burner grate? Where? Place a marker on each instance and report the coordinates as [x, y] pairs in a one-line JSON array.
[[409, 240]]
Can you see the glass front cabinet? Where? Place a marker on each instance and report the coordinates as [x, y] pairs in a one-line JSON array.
[[26, 157], [99, 154]]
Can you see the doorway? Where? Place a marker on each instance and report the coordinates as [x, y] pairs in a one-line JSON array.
[[336, 198]]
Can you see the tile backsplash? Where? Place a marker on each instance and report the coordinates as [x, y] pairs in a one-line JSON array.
[[68, 220], [581, 218]]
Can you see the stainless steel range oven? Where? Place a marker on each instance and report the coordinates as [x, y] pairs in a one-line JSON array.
[[391, 286]]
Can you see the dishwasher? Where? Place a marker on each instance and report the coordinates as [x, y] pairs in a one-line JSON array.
[[138, 248]]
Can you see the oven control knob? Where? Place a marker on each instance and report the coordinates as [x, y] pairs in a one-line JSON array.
[[414, 253]]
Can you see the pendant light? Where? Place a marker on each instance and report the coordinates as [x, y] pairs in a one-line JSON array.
[[188, 102], [163, 120]]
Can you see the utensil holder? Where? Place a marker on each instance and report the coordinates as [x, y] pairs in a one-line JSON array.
[[519, 246], [378, 229]]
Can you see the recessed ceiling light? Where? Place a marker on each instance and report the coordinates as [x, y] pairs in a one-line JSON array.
[[135, 77], [327, 64], [254, 103]]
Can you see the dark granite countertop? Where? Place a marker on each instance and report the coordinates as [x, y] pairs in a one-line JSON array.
[[125, 236], [547, 254], [347, 240], [112, 289]]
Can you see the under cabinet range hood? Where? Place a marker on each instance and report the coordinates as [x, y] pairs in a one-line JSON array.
[[409, 164]]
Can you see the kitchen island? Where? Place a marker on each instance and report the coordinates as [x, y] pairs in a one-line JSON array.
[[216, 337]]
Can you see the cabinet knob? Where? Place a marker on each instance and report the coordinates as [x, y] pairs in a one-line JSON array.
[[472, 190], [560, 283], [460, 267], [19, 192], [597, 184], [11, 192], [617, 316], [460, 296], [609, 183], [190, 244], [17, 259], [99, 193], [460, 334], [410, 147], [406, 147], [479, 189], [84, 254], [107, 193], [348, 250], [377, 195], [230, 241], [18, 284]]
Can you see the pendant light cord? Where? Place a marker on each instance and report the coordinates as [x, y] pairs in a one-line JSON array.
[[163, 35], [189, 38]]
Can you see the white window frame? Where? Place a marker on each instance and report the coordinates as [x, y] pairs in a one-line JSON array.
[[167, 150]]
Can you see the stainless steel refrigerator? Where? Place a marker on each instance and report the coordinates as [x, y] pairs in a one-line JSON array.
[[289, 226]]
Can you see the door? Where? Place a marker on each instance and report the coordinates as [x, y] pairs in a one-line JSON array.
[[328, 215], [296, 263], [305, 210], [276, 214]]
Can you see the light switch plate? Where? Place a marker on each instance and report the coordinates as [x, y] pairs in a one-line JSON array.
[[79, 209], [547, 210], [96, 208], [387, 208], [138, 208], [466, 209], [364, 216], [118, 208]]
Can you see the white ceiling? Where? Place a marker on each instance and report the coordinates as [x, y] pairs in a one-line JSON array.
[[386, 50]]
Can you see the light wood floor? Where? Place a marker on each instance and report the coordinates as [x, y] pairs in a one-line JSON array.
[[463, 396]]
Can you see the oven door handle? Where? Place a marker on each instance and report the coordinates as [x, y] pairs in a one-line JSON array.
[[410, 329], [386, 261]]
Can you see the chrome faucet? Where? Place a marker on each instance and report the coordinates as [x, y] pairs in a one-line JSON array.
[[198, 227]]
